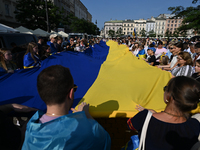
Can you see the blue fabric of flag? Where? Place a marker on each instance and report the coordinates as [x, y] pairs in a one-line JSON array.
[[21, 86]]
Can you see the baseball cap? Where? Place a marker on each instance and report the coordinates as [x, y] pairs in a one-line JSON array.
[[53, 36], [151, 48]]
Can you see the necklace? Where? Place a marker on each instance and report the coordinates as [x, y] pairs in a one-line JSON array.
[[172, 114], [53, 114]]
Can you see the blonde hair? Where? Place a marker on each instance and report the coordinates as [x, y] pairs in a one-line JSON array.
[[30, 47], [2, 58]]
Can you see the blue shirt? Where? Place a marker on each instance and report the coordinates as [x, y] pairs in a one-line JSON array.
[[69, 132]]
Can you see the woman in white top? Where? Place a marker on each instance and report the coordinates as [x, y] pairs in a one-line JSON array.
[[185, 65], [175, 50]]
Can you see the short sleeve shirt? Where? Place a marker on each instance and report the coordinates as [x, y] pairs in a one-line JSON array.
[[167, 136]]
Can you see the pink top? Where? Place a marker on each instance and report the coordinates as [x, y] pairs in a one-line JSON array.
[[46, 118], [160, 51]]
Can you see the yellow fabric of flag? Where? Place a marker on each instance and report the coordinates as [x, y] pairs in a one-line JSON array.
[[124, 81]]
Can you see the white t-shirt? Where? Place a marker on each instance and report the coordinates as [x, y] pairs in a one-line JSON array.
[[173, 62]]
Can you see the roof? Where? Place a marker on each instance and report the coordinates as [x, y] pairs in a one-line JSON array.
[[114, 21], [160, 18]]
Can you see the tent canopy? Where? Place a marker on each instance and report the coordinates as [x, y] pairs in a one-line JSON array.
[[40, 32], [4, 28], [63, 34], [24, 30]]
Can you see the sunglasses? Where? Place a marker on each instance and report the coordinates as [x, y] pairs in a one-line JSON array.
[[75, 87], [171, 48]]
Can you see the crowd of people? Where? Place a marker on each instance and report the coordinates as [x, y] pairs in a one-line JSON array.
[[172, 128]]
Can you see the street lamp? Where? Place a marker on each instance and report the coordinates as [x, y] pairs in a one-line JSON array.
[[47, 15]]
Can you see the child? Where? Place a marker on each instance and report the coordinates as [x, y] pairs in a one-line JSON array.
[[31, 57], [141, 53], [164, 60], [6, 64], [196, 75], [152, 59]]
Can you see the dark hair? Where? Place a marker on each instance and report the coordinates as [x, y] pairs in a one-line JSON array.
[[151, 45], [54, 84], [160, 43], [187, 57], [197, 45], [198, 61], [179, 45], [185, 91], [185, 46]]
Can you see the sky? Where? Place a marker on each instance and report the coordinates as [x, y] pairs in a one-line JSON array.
[[105, 10]]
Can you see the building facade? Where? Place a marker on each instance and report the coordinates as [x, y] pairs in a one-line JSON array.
[[160, 27], [140, 25], [112, 25], [172, 24], [128, 27], [7, 16]]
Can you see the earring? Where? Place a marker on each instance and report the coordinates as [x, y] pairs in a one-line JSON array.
[[166, 101]]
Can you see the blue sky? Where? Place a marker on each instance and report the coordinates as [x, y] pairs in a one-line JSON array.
[[104, 10]]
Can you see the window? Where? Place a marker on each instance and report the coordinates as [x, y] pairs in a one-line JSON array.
[[172, 21], [131, 24], [124, 24], [171, 25], [113, 28], [167, 28], [179, 25], [168, 21], [176, 21], [127, 28], [179, 21], [175, 25], [128, 25], [7, 9], [171, 29], [124, 32], [131, 28], [168, 25], [124, 28], [109, 27]]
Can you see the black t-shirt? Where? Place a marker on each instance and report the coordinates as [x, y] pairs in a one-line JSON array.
[[167, 136], [152, 59], [70, 48]]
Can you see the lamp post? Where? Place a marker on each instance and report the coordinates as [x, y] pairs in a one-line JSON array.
[[47, 15]]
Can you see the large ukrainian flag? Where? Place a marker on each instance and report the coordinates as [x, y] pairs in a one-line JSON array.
[[109, 78]]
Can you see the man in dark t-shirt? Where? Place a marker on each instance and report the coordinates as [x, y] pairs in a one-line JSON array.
[[152, 58]]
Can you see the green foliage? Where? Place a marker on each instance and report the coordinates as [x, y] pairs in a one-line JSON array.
[[77, 25], [119, 32], [143, 33], [190, 17], [32, 14], [176, 34], [168, 34], [111, 33], [152, 33]]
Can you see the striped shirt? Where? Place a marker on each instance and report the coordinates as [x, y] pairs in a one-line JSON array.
[[182, 71]]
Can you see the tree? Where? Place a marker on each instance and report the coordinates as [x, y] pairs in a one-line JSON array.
[[111, 33], [152, 33], [32, 14], [190, 17], [80, 25], [119, 32], [143, 33], [176, 34], [168, 34]]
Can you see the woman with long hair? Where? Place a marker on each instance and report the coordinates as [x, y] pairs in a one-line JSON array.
[[184, 67], [6, 61], [31, 57], [173, 128]]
